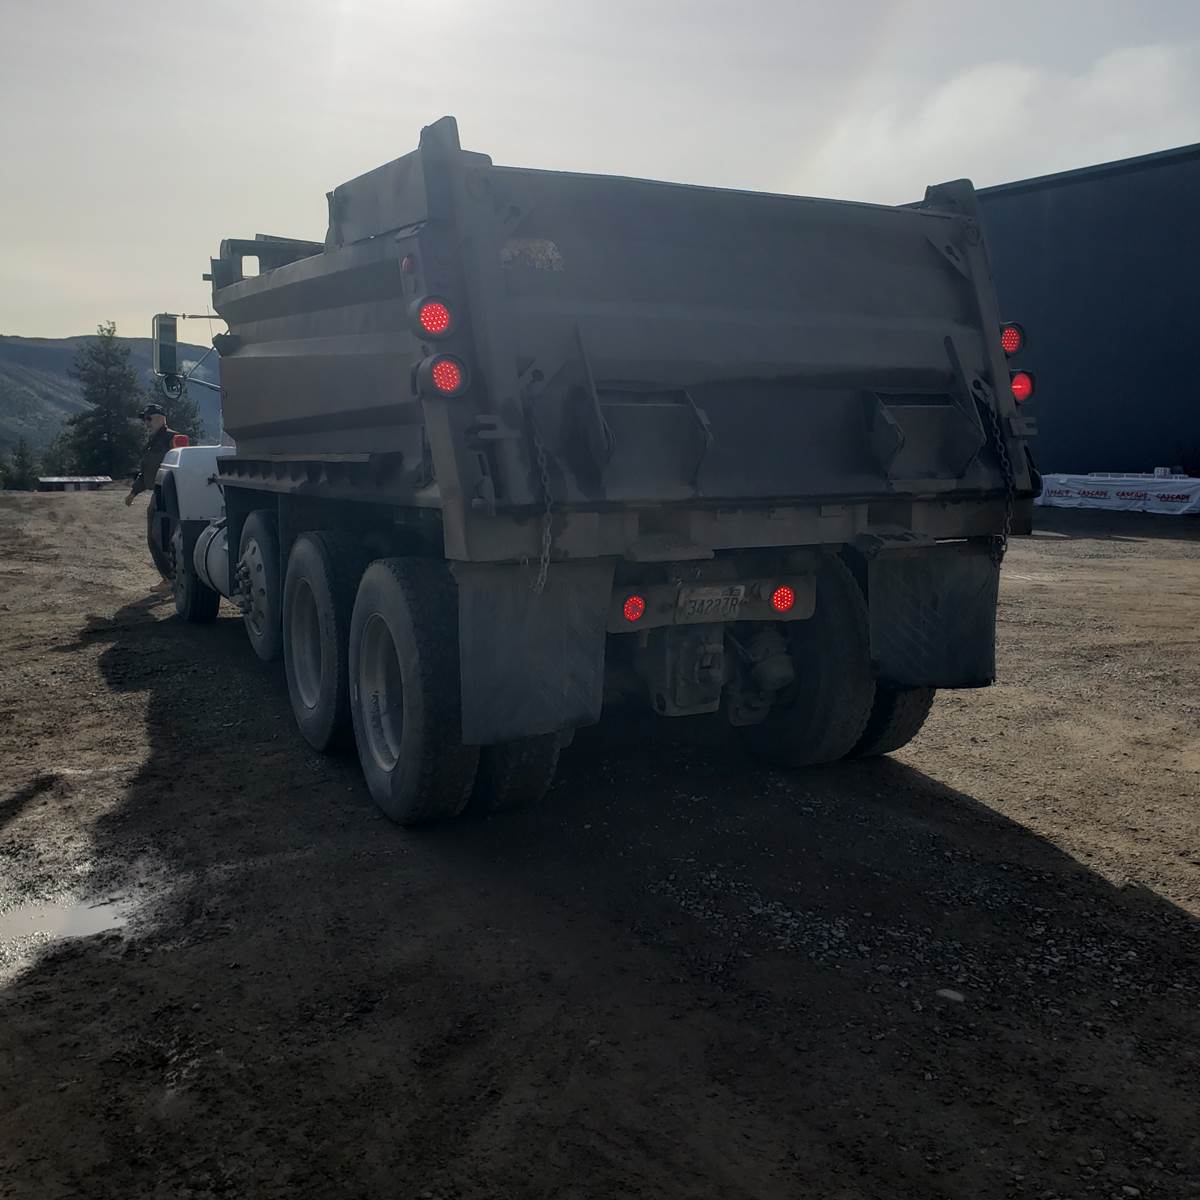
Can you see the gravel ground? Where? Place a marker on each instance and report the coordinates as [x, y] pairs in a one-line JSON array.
[[970, 970]]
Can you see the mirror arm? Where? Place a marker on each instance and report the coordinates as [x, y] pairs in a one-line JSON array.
[[198, 362]]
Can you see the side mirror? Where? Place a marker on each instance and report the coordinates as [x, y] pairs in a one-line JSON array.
[[166, 348], [171, 386]]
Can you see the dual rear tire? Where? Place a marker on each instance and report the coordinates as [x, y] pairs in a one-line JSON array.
[[897, 715], [404, 691], [836, 708], [318, 600], [371, 657]]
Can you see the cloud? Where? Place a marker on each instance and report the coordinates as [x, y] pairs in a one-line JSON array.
[[1008, 120]]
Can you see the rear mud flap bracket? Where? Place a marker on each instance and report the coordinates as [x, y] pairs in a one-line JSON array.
[[531, 663]]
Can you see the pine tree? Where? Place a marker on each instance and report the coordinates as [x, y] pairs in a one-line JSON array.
[[103, 438], [20, 474], [57, 458]]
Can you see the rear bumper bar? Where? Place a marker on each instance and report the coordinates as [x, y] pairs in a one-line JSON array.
[[689, 534]]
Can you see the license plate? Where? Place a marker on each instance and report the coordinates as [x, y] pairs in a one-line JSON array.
[[709, 603]]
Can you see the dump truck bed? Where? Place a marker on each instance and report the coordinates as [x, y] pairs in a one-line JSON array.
[[626, 346]]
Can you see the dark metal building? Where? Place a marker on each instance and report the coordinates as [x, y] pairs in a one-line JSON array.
[[1102, 267]]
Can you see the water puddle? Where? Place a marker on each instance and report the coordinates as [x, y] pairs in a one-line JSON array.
[[49, 920]]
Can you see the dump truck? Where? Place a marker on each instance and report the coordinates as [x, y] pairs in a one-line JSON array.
[[510, 444]]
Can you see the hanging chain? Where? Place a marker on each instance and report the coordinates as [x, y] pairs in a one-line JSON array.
[[539, 448], [1000, 543]]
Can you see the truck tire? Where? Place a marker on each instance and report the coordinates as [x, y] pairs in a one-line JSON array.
[[318, 601], [160, 553], [195, 601], [514, 774], [404, 691], [823, 715], [258, 554], [896, 718]]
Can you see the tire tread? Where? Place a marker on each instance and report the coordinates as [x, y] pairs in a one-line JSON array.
[[195, 601], [514, 774], [270, 646], [896, 718], [835, 686], [341, 560], [445, 770]]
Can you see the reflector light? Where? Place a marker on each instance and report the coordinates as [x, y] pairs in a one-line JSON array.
[[179, 441], [782, 598], [447, 376], [634, 608], [1012, 338], [434, 318], [1022, 386]]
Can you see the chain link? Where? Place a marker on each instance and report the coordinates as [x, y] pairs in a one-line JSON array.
[[539, 449], [1000, 543]]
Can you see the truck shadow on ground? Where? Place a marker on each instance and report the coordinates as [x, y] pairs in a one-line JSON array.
[[682, 975]]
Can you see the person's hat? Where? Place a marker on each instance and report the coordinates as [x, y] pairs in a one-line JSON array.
[[153, 410]]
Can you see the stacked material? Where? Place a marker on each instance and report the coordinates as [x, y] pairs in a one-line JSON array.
[[1177, 494]]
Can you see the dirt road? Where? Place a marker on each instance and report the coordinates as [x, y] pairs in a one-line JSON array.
[[972, 970]]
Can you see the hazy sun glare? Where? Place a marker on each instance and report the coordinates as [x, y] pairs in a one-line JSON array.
[[137, 136]]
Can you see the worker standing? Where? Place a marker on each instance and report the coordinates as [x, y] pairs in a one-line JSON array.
[[158, 442]]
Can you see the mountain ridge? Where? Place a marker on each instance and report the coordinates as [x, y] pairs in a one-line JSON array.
[[38, 395]]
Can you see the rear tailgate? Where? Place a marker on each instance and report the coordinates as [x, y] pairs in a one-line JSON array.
[[682, 343]]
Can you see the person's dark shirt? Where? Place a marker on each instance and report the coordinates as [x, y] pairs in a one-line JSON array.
[[152, 455]]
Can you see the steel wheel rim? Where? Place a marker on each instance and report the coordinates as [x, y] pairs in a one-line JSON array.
[[256, 614], [380, 691], [305, 644]]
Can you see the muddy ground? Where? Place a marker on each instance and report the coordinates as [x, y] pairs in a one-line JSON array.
[[971, 970]]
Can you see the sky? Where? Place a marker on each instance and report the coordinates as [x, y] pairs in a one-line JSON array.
[[135, 135]]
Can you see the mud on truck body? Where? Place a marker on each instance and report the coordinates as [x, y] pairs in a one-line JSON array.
[[511, 441]]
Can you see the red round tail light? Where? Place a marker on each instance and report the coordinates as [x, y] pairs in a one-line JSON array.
[[448, 375], [1022, 386], [434, 318], [1012, 338], [783, 598], [634, 608], [179, 441]]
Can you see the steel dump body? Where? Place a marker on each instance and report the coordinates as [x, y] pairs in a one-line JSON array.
[[718, 369]]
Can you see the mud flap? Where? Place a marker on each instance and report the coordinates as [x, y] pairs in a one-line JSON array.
[[531, 663], [933, 616]]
